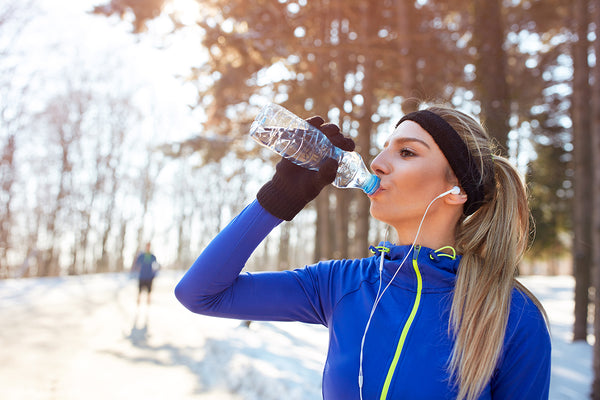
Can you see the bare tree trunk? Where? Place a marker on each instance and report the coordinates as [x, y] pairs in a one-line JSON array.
[[265, 259], [408, 71], [342, 218], [120, 246], [14, 18], [582, 186], [147, 187], [323, 225], [8, 177], [490, 64], [113, 161], [50, 265], [34, 223], [326, 73], [283, 253], [595, 146], [186, 193], [366, 124], [494, 92]]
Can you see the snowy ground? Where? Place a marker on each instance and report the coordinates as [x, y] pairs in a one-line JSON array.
[[84, 338]]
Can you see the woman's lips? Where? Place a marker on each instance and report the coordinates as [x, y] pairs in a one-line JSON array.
[[379, 190]]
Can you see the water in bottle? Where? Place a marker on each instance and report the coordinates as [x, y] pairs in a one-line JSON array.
[[295, 139]]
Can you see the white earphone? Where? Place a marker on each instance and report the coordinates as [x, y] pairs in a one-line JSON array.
[[454, 190]]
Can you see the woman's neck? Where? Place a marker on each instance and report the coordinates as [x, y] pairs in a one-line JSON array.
[[432, 241], [436, 231]]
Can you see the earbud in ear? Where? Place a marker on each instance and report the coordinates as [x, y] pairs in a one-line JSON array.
[[454, 190]]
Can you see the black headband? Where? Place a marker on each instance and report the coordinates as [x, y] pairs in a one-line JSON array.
[[456, 152]]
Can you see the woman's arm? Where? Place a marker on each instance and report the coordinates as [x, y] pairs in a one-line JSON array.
[[213, 285]]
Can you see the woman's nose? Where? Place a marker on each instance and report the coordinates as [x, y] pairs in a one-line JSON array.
[[378, 165]]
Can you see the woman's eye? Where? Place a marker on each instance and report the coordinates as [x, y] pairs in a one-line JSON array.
[[406, 153]]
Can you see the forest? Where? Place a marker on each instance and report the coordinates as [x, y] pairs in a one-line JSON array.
[[91, 167]]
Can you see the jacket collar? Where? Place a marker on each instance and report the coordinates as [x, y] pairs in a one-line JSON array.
[[438, 270]]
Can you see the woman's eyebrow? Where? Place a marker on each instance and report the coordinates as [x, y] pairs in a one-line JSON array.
[[403, 140]]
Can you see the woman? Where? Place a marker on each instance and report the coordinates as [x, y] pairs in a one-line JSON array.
[[437, 316]]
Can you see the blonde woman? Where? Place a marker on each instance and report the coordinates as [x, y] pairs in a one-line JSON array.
[[439, 314]]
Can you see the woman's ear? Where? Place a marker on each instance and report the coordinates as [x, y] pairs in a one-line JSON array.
[[455, 199]]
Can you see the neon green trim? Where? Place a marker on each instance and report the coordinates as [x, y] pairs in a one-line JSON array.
[[380, 248], [451, 256], [407, 325]]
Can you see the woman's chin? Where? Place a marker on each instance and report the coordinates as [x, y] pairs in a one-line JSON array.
[[377, 213]]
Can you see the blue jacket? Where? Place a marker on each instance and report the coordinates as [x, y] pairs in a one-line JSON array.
[[407, 346], [145, 264]]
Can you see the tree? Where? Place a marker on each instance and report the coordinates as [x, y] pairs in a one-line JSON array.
[[323, 57], [582, 167], [64, 118], [141, 10], [146, 187], [8, 174], [13, 19], [492, 88], [551, 195], [537, 47], [118, 122], [595, 151], [356, 60]]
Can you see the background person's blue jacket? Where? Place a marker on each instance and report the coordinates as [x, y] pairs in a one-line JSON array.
[[410, 323], [146, 265]]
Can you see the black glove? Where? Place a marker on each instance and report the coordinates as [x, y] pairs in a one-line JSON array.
[[293, 187]]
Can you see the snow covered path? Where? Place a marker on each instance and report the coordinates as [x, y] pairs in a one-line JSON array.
[[84, 338], [571, 362]]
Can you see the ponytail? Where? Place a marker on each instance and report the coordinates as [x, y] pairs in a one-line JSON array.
[[492, 242]]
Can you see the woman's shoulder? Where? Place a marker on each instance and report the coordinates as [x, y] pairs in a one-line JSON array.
[[344, 275], [527, 319], [524, 367], [524, 302], [358, 268]]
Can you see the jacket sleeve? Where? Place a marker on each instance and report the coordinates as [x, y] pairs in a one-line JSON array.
[[214, 286], [524, 371]]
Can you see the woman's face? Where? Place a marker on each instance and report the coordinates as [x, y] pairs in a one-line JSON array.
[[413, 172]]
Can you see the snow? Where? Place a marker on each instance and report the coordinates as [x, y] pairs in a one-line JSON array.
[[84, 338], [571, 362]]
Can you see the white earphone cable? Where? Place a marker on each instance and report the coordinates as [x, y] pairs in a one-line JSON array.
[[380, 295]]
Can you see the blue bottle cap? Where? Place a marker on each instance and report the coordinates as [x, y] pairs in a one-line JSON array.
[[372, 184]]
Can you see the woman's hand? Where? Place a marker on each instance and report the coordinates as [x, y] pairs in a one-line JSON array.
[[293, 187]]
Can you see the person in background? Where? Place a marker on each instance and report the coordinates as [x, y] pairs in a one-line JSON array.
[[437, 315], [146, 267]]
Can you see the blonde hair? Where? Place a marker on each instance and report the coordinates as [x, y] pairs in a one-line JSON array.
[[492, 242]]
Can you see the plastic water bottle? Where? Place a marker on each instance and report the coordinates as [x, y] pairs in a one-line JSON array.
[[295, 139]]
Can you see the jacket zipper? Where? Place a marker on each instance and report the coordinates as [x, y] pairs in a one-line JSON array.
[[407, 325]]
